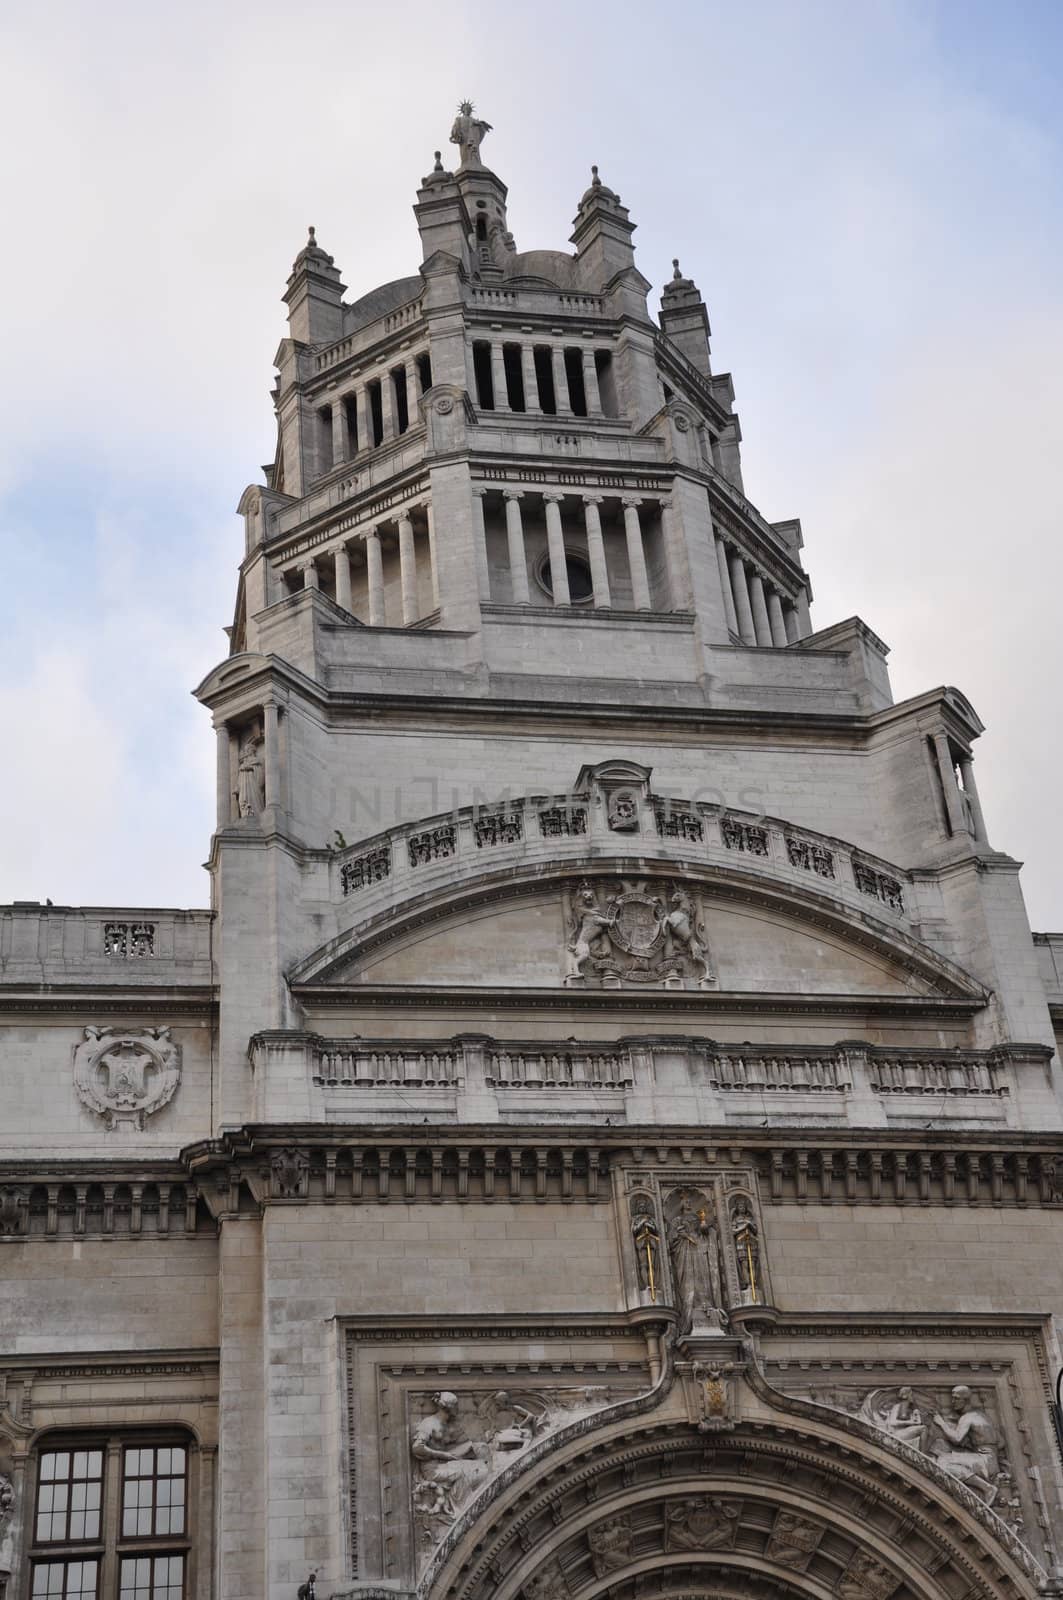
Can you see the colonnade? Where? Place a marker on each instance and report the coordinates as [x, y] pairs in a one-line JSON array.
[[758, 612], [354, 427], [590, 513], [372, 542], [963, 807], [528, 390]]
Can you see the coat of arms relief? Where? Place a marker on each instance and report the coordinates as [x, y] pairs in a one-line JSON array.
[[623, 932]]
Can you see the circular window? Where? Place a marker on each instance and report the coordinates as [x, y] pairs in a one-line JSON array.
[[580, 586]]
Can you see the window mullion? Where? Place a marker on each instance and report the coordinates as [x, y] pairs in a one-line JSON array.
[[112, 1518]]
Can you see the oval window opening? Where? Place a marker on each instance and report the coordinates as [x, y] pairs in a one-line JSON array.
[[580, 586]]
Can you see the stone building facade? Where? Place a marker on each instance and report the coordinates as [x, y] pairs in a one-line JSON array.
[[605, 1138]]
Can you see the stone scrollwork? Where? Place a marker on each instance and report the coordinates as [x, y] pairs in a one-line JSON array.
[[125, 1076], [629, 934]]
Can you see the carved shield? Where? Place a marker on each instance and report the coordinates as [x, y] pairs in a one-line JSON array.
[[638, 925]]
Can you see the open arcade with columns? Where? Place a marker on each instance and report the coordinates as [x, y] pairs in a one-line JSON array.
[[604, 1141]]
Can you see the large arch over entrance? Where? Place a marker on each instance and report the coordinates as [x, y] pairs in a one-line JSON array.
[[656, 1510]]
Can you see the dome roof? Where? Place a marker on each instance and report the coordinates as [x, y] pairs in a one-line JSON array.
[[552, 267]]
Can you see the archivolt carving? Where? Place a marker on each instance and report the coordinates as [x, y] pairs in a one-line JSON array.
[[125, 1075]]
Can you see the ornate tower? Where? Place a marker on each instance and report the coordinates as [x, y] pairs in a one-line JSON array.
[[606, 1132]]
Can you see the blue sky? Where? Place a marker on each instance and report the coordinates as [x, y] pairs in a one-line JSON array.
[[868, 195]]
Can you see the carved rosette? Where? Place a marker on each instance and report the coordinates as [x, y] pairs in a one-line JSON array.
[[126, 1076]]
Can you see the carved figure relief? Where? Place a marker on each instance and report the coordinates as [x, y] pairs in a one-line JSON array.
[[710, 1395], [960, 1436], [694, 1251], [125, 1076], [251, 773], [610, 1543], [11, 1211], [460, 1441], [630, 934], [701, 1522], [547, 1584], [866, 1579], [793, 1540], [7, 1501]]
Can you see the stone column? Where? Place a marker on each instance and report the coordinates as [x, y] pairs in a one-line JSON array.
[[310, 576], [470, 373], [430, 523], [590, 384], [596, 550], [224, 778], [725, 586], [362, 419], [498, 376], [970, 789], [805, 619], [740, 591], [518, 565], [374, 563], [387, 407], [561, 395], [110, 1516], [339, 432], [343, 577], [413, 391], [761, 625], [272, 753], [479, 543], [775, 618], [792, 624], [531, 382], [555, 539], [636, 556], [953, 801], [407, 571]]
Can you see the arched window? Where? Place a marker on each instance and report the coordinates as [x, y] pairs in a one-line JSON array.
[[108, 1505]]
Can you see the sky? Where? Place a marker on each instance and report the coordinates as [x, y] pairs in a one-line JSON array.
[[868, 195]]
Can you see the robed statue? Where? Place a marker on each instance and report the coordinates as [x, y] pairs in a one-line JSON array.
[[468, 134], [694, 1249]]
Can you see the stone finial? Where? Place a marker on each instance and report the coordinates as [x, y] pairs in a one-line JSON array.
[[311, 237], [439, 161], [596, 182], [675, 268]]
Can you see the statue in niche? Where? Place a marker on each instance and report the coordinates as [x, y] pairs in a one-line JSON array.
[[646, 1237], [450, 1465], [251, 773], [746, 1236], [694, 1249], [680, 931], [468, 133], [967, 1445], [590, 927]]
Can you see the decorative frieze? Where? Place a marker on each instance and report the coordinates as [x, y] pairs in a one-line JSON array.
[[554, 1069], [562, 822], [810, 857], [879, 885], [435, 844], [676, 824], [746, 836], [336, 1067], [372, 867], [129, 941], [497, 827], [51, 1208]]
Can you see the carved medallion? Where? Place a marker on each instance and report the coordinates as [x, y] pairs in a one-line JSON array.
[[126, 1076], [793, 1540]]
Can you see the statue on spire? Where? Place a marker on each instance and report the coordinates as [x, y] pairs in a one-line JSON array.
[[468, 134]]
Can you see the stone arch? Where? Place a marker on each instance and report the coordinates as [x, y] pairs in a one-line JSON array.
[[774, 1506]]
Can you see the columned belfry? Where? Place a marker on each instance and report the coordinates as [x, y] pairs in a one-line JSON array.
[[604, 1141]]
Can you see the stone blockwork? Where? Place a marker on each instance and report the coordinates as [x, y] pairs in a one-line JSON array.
[[605, 1138]]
